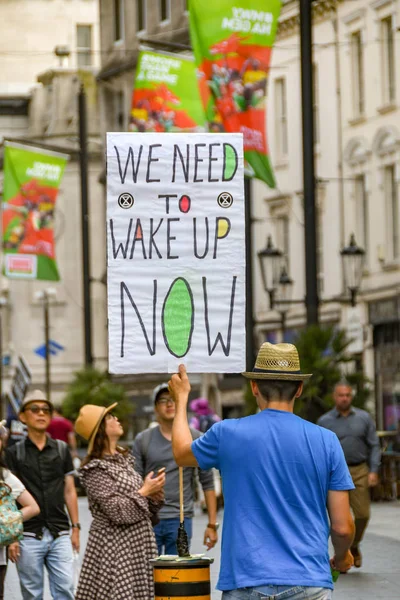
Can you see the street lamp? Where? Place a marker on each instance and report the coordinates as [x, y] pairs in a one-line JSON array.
[[44, 296], [280, 287], [283, 296], [270, 259], [352, 261]]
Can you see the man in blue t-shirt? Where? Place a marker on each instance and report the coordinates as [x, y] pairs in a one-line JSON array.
[[285, 484]]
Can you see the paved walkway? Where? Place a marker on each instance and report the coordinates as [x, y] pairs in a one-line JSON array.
[[377, 580]]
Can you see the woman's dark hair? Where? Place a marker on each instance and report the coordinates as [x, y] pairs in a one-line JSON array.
[[101, 445]]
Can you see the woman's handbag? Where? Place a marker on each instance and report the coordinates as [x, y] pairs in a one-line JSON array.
[[11, 527]]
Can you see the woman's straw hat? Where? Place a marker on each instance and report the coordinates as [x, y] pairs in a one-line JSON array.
[[89, 419], [277, 361]]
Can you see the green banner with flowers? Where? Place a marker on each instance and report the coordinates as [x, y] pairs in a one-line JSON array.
[[166, 96], [32, 178], [232, 44]]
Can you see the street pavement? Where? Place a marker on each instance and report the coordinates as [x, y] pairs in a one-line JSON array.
[[378, 579]]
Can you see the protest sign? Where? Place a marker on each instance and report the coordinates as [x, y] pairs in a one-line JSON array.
[[166, 95], [232, 44], [31, 180], [176, 252]]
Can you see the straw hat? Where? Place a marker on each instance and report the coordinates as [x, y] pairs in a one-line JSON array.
[[277, 361], [35, 396], [89, 420]]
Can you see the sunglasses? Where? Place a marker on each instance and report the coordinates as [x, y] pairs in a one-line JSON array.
[[38, 409]]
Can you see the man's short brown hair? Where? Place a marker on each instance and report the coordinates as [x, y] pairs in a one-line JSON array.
[[272, 389]]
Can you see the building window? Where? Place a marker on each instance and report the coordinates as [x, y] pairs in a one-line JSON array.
[[283, 237], [281, 118], [361, 197], [392, 210], [141, 15], [357, 63], [118, 20], [84, 45], [316, 103], [388, 60], [165, 10]]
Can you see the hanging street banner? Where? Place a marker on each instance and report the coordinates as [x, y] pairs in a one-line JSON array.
[[166, 96], [232, 45], [19, 385], [31, 180], [176, 252]]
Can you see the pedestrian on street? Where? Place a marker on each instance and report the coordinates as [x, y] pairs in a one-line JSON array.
[[152, 451], [121, 540], [203, 415], [203, 418], [9, 484], [45, 468], [357, 434], [61, 428], [280, 475]]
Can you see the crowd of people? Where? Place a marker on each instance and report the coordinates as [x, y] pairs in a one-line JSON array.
[[298, 483]]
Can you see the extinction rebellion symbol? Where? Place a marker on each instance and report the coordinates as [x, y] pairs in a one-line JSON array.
[[126, 200], [225, 200]]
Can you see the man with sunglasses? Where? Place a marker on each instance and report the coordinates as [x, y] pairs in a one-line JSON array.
[[45, 467], [153, 451]]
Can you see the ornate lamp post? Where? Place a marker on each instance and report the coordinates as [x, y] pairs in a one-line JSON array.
[[279, 285], [352, 261], [270, 259], [283, 297]]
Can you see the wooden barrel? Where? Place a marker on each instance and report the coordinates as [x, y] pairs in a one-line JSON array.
[[180, 580]]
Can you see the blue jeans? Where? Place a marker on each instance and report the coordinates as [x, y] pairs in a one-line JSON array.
[[56, 555], [166, 533], [279, 592]]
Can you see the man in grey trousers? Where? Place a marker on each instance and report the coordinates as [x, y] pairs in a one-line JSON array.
[[153, 451], [357, 435]]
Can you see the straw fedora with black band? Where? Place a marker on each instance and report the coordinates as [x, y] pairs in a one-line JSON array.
[[277, 362], [35, 396], [89, 420]]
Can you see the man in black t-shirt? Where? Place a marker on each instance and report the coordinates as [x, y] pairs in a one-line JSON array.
[[45, 468]]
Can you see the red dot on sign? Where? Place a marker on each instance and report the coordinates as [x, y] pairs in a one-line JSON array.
[[184, 204]]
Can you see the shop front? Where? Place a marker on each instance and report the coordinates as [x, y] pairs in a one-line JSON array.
[[384, 316]]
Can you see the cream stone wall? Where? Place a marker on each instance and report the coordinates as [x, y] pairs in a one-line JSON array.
[[30, 31]]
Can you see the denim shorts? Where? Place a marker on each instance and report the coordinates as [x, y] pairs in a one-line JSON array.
[[279, 592]]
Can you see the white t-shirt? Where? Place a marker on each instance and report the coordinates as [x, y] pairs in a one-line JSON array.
[[16, 490]]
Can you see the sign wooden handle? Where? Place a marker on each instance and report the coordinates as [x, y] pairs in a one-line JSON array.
[[181, 494]]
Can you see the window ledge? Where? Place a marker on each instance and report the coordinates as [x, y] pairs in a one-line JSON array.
[[281, 163], [387, 108], [392, 265], [357, 120]]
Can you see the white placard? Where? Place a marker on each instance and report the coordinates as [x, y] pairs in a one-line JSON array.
[[176, 252]]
